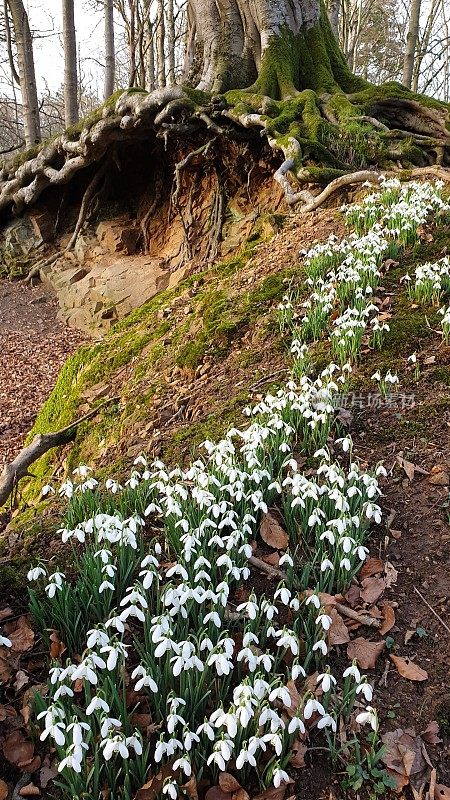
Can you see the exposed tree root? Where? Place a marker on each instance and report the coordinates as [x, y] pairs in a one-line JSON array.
[[17, 469], [88, 197]]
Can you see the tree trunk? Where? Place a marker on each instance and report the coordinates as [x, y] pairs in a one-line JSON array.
[[170, 43], [110, 53], [281, 45], [334, 10], [24, 44], [160, 42], [70, 64], [132, 45], [411, 43]]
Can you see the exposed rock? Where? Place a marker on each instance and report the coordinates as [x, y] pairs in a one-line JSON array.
[[118, 236]]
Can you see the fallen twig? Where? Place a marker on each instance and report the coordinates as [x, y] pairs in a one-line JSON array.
[[274, 572], [444, 624], [17, 469], [364, 619]]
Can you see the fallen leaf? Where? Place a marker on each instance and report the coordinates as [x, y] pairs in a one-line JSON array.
[[372, 589], [388, 618], [441, 792], [57, 647], [353, 595], [216, 793], [338, 632], [365, 652], [20, 634], [431, 733], [272, 558], [407, 466], [21, 680], [390, 575], [5, 612], [409, 635], [298, 754], [17, 749], [272, 533], [228, 783], [296, 699], [408, 669], [272, 793], [152, 788], [4, 790], [439, 479], [372, 566], [46, 774], [241, 794], [190, 788], [30, 790]]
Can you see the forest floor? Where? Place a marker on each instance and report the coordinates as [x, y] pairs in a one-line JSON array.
[[410, 554], [34, 346]]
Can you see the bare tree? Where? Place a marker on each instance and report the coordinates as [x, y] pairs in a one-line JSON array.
[[70, 64], [160, 42], [411, 43], [110, 55], [27, 75], [170, 17]]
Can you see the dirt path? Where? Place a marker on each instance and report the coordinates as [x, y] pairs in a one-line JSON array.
[[34, 346]]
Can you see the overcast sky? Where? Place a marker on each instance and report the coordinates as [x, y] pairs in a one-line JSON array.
[[46, 22]]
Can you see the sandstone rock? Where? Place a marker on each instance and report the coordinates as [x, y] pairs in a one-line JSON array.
[[118, 236]]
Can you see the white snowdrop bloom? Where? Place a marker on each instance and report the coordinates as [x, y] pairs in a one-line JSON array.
[[228, 720], [353, 671], [327, 681], [286, 559], [370, 717], [96, 704], [366, 689], [55, 729], [345, 564], [96, 637], [184, 764], [114, 651], [170, 788], [279, 777], [207, 729], [35, 573], [312, 706], [86, 669], [82, 471], [55, 584], [47, 489], [325, 621], [114, 744], [322, 646], [297, 671], [72, 760], [288, 639], [107, 724], [115, 622], [251, 607], [376, 376], [327, 721], [326, 564], [63, 691], [314, 599], [5, 642], [281, 693], [296, 724], [213, 617], [144, 679]]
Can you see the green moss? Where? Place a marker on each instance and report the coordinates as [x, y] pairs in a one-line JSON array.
[[197, 96], [442, 374]]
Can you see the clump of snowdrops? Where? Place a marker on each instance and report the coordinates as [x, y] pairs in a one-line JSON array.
[[155, 623]]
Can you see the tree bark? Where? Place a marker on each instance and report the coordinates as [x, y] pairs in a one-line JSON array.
[[411, 43], [160, 42], [24, 44], [170, 43], [70, 64], [282, 45], [334, 10], [110, 53]]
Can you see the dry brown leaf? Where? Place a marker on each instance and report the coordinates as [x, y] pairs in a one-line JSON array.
[[18, 750], [353, 595], [407, 466], [21, 680], [296, 699], [338, 633], [152, 788], [403, 756], [30, 790], [190, 788], [388, 618], [408, 669], [372, 589], [439, 479], [431, 733], [272, 558], [441, 792], [365, 652], [272, 533], [298, 754], [241, 794], [216, 793], [390, 575], [46, 774], [57, 647], [5, 670], [372, 566], [228, 783], [272, 793], [4, 790], [20, 634], [5, 612]]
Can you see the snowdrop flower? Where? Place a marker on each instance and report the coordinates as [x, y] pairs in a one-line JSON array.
[[115, 744], [281, 693], [96, 704], [279, 776], [322, 646], [286, 559], [325, 621], [145, 679], [327, 680], [72, 760], [327, 722], [170, 788], [369, 716], [55, 584], [353, 671], [296, 724], [5, 642], [47, 489], [314, 599], [376, 376], [312, 705], [366, 689], [35, 573]]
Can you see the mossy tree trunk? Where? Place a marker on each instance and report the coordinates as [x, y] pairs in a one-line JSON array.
[[280, 46]]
